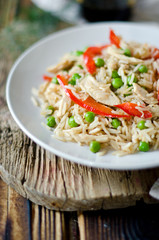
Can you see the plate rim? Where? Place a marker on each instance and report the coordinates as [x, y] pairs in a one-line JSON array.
[[67, 156]]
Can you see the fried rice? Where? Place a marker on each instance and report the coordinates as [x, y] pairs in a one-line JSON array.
[[142, 90]]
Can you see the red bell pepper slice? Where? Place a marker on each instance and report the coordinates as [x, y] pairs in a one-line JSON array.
[[114, 39], [155, 53], [90, 64], [47, 78], [90, 104], [89, 55], [130, 108]]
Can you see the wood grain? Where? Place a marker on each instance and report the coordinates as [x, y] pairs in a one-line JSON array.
[[14, 210], [3, 208], [21, 219]]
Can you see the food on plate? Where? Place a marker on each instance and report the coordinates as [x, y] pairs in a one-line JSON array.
[[106, 97]]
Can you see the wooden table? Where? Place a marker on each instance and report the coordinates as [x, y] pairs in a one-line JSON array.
[[21, 25]]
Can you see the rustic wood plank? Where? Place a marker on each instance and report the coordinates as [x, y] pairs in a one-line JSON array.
[[71, 226], [106, 225], [3, 208], [47, 224], [14, 217], [82, 225], [35, 221], [18, 216], [58, 227]]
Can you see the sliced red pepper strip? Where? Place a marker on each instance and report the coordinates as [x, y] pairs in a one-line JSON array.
[[47, 78], [130, 108], [114, 39], [89, 55], [92, 51], [155, 53], [88, 58], [90, 64], [90, 104], [105, 46]]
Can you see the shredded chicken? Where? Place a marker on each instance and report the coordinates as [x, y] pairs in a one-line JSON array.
[[154, 110], [99, 91], [144, 95], [64, 64], [133, 60], [138, 50]]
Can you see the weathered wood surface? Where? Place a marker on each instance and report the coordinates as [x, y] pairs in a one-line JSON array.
[[20, 219]]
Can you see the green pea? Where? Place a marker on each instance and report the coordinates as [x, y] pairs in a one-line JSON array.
[[51, 121], [73, 79], [115, 123], [117, 83], [141, 125], [115, 74], [54, 80], [80, 66], [89, 116], [144, 146], [72, 82], [129, 80], [78, 53], [127, 52], [99, 62], [51, 108], [76, 76], [71, 122], [143, 69], [94, 146]]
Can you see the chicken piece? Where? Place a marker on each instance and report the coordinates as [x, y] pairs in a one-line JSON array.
[[43, 87], [76, 69], [119, 56], [99, 91], [64, 105], [138, 50], [144, 95], [112, 64], [64, 64], [154, 109]]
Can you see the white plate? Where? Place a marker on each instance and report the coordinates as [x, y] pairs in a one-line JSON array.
[[27, 73]]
